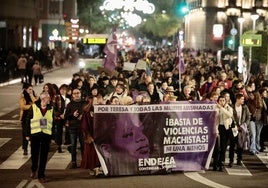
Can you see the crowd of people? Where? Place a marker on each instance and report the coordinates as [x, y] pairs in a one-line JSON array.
[[241, 106], [25, 63]]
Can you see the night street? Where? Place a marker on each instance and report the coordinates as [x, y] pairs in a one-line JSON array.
[[15, 168]]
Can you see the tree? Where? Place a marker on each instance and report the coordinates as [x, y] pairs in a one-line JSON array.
[[163, 24], [90, 16], [158, 25], [260, 53]]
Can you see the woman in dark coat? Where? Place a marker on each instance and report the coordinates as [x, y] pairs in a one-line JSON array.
[[27, 98]]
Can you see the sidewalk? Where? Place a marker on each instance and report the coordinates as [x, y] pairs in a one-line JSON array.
[[17, 80]]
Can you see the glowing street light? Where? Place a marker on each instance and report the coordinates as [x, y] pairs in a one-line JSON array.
[[127, 10], [254, 18], [240, 48]]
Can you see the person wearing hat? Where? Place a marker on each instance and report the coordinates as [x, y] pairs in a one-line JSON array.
[[169, 94], [170, 89]]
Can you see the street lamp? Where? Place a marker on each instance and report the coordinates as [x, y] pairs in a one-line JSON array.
[[240, 21], [254, 17], [240, 48], [233, 12]]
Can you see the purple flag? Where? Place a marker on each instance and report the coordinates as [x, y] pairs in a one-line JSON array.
[[180, 60], [110, 50]]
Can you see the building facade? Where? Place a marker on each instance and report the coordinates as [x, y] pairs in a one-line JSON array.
[[35, 23], [205, 14]]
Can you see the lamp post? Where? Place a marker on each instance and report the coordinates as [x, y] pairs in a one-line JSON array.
[[232, 12], [240, 48], [254, 17], [233, 32], [240, 21]]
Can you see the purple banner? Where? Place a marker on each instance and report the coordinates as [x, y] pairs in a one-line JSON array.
[[150, 139]]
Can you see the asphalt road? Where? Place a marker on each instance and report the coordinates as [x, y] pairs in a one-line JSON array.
[[15, 168]]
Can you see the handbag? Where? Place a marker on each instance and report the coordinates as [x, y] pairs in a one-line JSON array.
[[41, 78], [234, 128]]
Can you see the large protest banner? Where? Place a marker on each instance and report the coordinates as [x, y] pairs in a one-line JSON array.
[[150, 139]]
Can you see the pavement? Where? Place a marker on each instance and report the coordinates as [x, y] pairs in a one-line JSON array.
[[18, 80]]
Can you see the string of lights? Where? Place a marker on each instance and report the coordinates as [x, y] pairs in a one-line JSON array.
[[126, 13]]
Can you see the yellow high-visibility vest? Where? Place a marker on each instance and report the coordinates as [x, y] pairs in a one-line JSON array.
[[40, 123]]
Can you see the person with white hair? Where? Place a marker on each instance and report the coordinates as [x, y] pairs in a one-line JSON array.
[[223, 81]]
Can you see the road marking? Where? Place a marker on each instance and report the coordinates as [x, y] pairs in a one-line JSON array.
[[10, 121], [197, 177], [3, 141], [10, 82], [34, 183], [264, 158], [9, 94], [15, 161], [22, 184], [15, 116], [236, 170], [9, 128], [10, 124], [9, 109], [59, 161]]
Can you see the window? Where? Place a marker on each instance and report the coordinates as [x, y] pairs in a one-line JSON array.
[[258, 3], [195, 4], [24, 36], [54, 7], [232, 3]]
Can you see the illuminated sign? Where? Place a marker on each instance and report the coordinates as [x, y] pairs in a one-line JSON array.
[[94, 40], [251, 40], [217, 31]]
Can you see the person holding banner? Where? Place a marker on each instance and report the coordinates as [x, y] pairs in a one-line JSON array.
[[121, 142], [114, 101], [169, 94], [89, 158], [186, 94], [216, 152]]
